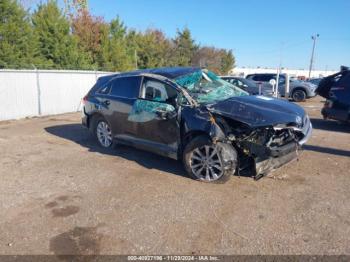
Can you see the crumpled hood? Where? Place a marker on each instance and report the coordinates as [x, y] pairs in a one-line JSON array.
[[258, 111]]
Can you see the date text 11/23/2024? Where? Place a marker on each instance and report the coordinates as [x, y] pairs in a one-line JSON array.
[[173, 258]]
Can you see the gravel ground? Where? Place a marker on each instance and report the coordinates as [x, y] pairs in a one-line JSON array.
[[62, 194]]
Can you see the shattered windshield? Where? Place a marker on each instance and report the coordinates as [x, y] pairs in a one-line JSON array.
[[206, 87]]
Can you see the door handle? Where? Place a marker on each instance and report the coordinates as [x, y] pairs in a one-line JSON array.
[[106, 102]]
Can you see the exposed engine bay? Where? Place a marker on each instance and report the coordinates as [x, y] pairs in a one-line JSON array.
[[263, 149]]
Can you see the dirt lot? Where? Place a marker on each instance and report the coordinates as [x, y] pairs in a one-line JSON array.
[[62, 194]]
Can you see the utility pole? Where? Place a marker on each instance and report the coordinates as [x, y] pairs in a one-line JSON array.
[[279, 71], [135, 55], [314, 37], [38, 89]]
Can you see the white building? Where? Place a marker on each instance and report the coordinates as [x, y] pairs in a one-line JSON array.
[[302, 73]]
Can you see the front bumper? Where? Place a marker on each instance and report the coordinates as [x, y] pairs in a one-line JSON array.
[[284, 154], [279, 157], [268, 165], [311, 93], [307, 131]]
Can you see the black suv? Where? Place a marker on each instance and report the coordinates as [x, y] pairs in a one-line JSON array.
[[299, 90], [336, 88], [191, 114]]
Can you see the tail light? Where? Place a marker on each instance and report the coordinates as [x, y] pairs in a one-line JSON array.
[[328, 104], [85, 98]]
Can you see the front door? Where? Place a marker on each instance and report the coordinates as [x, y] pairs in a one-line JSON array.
[[155, 113]]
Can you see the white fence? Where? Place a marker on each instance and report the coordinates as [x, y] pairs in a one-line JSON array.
[[25, 93]]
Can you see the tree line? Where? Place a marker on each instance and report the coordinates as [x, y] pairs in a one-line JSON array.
[[73, 38]]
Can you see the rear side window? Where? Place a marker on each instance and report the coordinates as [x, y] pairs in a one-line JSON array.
[[128, 87], [105, 90], [99, 85], [262, 78]]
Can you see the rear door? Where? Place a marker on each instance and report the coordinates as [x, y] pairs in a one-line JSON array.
[[123, 92], [340, 91], [327, 83]]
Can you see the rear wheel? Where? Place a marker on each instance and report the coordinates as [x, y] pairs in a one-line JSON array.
[[103, 133], [203, 160], [299, 95]]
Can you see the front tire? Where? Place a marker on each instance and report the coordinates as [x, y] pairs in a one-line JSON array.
[[299, 95], [204, 161], [103, 133]]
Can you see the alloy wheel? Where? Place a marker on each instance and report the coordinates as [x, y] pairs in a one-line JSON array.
[[299, 96], [206, 164], [104, 134]]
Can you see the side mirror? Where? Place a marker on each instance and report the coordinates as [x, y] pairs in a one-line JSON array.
[[272, 82], [165, 113], [162, 114]]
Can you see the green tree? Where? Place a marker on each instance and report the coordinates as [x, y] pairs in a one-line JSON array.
[[217, 60], [207, 57], [90, 31], [73, 7], [227, 61], [153, 49], [120, 58], [56, 47], [16, 40], [184, 48], [103, 56]]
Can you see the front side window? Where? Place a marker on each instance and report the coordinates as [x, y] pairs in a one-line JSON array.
[[126, 87], [206, 87], [156, 97], [155, 90], [281, 78]]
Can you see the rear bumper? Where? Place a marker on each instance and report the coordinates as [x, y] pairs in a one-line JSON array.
[[336, 114], [84, 118]]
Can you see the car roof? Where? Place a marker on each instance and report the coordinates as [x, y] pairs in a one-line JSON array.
[[229, 77], [235, 77], [262, 74], [163, 72]]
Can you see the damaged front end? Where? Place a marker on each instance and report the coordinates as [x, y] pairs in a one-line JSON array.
[[264, 133], [263, 149]]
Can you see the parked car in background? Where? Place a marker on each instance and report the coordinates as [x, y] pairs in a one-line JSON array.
[[315, 81], [298, 90], [336, 89], [214, 127], [248, 85]]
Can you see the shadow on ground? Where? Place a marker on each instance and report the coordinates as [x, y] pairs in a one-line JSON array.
[[78, 134], [327, 150], [330, 125]]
